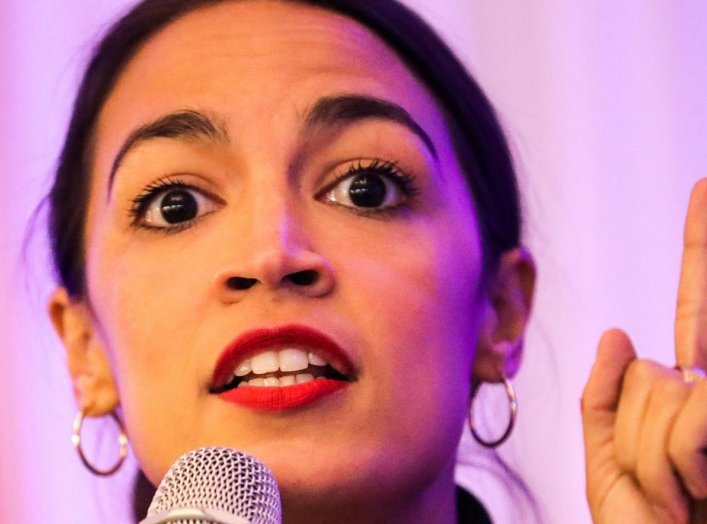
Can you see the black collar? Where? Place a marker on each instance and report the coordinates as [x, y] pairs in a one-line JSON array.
[[470, 510]]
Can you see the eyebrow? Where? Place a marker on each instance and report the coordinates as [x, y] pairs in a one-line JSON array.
[[347, 109], [328, 111], [185, 124]]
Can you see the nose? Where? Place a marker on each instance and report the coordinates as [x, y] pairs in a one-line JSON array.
[[275, 254]]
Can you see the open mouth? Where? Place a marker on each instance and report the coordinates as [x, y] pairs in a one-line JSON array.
[[284, 357], [280, 368]]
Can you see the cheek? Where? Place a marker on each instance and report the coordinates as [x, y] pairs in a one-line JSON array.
[[147, 293], [149, 307], [416, 302], [424, 317]]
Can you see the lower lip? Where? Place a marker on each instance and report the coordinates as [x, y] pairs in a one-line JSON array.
[[265, 398]]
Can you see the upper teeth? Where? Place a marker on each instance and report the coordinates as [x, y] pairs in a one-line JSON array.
[[287, 359]]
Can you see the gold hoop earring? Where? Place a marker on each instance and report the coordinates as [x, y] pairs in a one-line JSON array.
[[513, 408], [122, 441]]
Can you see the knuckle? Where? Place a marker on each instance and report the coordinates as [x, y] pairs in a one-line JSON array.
[[670, 387], [584, 399], [685, 303], [642, 371]]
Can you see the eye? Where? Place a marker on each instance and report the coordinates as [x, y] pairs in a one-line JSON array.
[[372, 186], [171, 205]]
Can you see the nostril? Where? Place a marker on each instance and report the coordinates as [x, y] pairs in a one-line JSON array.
[[241, 283], [304, 278]]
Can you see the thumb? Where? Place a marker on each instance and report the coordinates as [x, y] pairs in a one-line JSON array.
[[601, 394], [599, 404]]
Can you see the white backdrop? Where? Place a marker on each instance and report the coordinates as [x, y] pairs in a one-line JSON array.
[[606, 106]]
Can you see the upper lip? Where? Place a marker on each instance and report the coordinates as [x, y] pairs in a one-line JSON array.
[[251, 342]]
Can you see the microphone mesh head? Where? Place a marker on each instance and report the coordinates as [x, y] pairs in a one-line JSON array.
[[220, 479]]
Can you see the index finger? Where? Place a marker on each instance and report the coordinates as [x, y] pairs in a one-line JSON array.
[[691, 314]]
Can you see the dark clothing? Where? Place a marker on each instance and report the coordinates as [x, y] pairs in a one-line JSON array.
[[470, 510]]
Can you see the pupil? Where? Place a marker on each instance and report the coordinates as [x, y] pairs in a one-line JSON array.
[[178, 206], [367, 191]]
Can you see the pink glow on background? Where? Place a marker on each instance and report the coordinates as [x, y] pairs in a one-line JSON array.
[[605, 105]]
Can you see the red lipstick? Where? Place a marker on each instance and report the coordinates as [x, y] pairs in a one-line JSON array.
[[284, 397], [276, 398]]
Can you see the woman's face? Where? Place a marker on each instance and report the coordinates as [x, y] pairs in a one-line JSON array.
[[270, 166]]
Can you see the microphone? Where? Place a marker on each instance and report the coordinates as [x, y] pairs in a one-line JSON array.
[[216, 486]]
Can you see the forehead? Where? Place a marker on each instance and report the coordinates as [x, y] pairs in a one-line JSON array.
[[249, 59]]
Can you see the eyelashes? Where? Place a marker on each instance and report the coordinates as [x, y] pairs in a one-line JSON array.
[[371, 187], [368, 187], [172, 204]]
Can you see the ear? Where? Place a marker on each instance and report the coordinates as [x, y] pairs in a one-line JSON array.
[[507, 309], [94, 388]]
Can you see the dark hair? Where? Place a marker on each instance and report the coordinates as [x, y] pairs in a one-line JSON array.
[[479, 142]]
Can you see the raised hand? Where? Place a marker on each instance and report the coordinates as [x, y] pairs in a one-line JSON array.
[[645, 424]]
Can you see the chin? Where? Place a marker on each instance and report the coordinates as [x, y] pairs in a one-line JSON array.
[[345, 490], [324, 491], [348, 475]]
